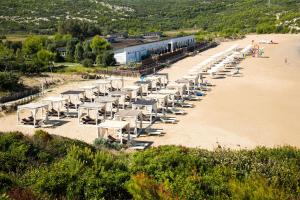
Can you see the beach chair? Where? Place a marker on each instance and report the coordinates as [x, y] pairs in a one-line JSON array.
[[168, 120], [152, 131], [176, 111]]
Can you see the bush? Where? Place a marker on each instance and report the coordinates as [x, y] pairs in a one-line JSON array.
[[60, 168], [87, 62], [9, 81]]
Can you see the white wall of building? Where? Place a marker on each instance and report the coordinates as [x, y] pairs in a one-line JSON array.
[[135, 53]]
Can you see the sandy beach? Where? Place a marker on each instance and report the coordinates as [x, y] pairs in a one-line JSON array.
[[262, 107]]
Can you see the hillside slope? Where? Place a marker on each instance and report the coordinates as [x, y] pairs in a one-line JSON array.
[[148, 15]]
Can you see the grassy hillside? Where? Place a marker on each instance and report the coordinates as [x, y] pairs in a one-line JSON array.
[[50, 167], [147, 15]]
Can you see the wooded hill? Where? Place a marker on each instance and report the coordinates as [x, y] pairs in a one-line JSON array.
[[137, 16]]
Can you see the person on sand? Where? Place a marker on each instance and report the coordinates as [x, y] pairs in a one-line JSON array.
[[285, 61]]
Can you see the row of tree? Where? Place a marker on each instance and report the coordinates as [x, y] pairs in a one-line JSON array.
[[37, 53]]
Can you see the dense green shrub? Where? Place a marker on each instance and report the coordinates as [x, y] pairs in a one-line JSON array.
[[50, 167], [87, 62], [9, 81]]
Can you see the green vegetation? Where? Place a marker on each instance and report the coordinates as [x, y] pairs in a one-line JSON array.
[[36, 54], [83, 18], [50, 167]]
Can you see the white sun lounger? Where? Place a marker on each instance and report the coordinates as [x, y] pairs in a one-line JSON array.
[[170, 120], [177, 111]]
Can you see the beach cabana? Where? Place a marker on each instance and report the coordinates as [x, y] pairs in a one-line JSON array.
[[111, 103], [181, 88], [171, 95], [155, 82], [89, 91], [104, 86], [35, 120], [133, 91], [73, 97], [134, 117], [161, 99], [116, 83], [148, 107], [164, 78], [57, 105], [121, 95], [145, 85], [114, 127], [85, 110]]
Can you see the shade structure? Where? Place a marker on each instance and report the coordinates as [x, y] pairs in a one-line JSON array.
[[132, 91], [134, 117], [180, 87], [164, 78], [119, 127], [116, 82], [56, 101], [33, 108], [148, 107], [110, 102], [97, 107], [73, 96], [161, 99], [89, 91], [121, 95], [104, 86], [155, 82], [145, 85]]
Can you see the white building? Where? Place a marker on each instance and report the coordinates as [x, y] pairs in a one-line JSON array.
[[136, 53]]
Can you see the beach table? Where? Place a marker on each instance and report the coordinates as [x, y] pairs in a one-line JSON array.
[[33, 108], [115, 126]]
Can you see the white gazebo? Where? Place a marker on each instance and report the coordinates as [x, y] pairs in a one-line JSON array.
[[148, 107], [104, 86], [144, 87], [133, 91], [59, 102], [161, 99], [89, 91], [155, 82], [171, 95], [33, 120], [112, 127], [134, 117], [86, 108], [121, 95], [73, 97], [111, 103], [116, 82]]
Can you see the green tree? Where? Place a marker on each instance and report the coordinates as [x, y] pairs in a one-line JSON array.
[[106, 59], [99, 44], [32, 45], [78, 52], [45, 56]]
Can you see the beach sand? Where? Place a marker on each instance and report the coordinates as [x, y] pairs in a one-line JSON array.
[[260, 108]]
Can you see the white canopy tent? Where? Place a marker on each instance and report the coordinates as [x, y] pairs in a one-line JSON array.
[[115, 127], [148, 108], [88, 107], [116, 82], [34, 108], [110, 102], [104, 86], [73, 97], [134, 117], [56, 101]]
